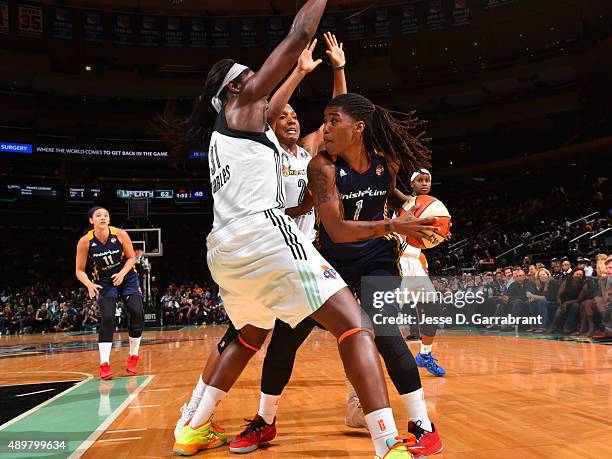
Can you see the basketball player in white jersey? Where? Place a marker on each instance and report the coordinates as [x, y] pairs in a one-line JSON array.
[[414, 263], [295, 157], [265, 267]]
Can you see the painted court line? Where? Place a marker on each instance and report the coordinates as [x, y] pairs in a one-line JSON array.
[[155, 390], [45, 403], [119, 439], [109, 420], [141, 406], [37, 392], [124, 430]]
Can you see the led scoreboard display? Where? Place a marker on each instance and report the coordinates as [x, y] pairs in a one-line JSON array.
[[144, 194]]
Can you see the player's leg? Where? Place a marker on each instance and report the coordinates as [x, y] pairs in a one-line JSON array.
[[276, 372], [105, 335], [341, 315], [135, 308], [189, 408], [199, 433], [425, 357]]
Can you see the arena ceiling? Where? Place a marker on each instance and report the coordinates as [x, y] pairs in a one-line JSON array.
[[229, 7]]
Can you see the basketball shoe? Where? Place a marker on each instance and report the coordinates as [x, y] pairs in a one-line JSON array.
[[257, 432], [207, 436], [399, 448], [187, 411], [430, 363], [105, 371], [427, 443], [131, 364], [354, 413]]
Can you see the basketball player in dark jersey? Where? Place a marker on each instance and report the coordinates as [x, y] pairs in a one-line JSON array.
[[351, 183], [112, 256], [253, 242]]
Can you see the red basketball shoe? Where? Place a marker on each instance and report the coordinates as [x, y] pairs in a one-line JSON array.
[[105, 371], [427, 443], [256, 433], [131, 363]]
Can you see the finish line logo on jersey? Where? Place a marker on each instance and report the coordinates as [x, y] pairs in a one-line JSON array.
[[329, 273]]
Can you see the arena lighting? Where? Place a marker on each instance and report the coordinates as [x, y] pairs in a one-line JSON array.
[[88, 68]]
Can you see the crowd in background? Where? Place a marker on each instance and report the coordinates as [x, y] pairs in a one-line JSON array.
[[192, 304]]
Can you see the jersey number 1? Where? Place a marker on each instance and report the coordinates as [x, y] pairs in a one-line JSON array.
[[358, 206]]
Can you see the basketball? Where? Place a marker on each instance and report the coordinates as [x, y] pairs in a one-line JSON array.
[[430, 207]]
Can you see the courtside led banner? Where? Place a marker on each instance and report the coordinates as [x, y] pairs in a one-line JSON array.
[[24, 148]]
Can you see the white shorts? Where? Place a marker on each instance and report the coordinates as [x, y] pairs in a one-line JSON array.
[[411, 266], [267, 269]]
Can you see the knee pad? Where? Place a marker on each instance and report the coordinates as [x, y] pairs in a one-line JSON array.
[[136, 314], [400, 363], [229, 336], [107, 319]]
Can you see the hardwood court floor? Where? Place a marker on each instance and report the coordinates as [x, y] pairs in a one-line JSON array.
[[503, 397]]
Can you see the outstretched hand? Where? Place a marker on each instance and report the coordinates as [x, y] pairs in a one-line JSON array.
[[305, 62], [335, 51]]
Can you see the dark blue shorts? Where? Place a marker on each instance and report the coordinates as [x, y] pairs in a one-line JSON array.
[[129, 286]]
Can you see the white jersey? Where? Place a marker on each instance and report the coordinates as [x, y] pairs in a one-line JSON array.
[[295, 182], [245, 173]]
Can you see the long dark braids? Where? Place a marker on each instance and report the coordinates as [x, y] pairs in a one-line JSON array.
[[387, 132], [195, 129]]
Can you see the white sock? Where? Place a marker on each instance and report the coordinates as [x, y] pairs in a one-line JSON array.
[[211, 398], [198, 392], [350, 390], [414, 402], [268, 406], [426, 348], [105, 349], [382, 428], [134, 345]]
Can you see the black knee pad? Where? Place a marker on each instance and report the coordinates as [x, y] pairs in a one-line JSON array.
[[135, 309], [400, 363], [429, 310], [230, 335], [107, 319]]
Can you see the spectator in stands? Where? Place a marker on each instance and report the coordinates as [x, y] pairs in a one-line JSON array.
[[566, 267], [43, 319], [532, 272], [572, 292], [542, 298], [5, 320], [588, 269], [517, 292], [16, 324], [557, 271], [30, 319], [90, 322], [64, 324]]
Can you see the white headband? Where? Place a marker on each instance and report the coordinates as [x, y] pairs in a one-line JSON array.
[[236, 70], [419, 172]]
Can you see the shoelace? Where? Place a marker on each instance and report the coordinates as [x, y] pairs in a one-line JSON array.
[[252, 426], [419, 430], [407, 439]]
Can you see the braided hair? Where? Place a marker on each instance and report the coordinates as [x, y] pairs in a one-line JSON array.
[[391, 133]]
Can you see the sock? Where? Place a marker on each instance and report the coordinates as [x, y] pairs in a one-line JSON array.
[[350, 390], [105, 349], [211, 398], [414, 402], [426, 348], [134, 345], [268, 406], [198, 392], [382, 428]]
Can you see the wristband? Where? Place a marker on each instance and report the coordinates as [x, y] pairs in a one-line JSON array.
[[340, 67]]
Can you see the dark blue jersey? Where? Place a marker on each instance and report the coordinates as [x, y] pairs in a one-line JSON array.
[[364, 198], [107, 259]]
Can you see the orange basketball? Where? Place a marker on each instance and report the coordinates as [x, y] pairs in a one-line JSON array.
[[429, 207]]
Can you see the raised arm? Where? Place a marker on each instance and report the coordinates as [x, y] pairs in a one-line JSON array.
[[285, 55], [281, 97], [314, 142], [322, 183]]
